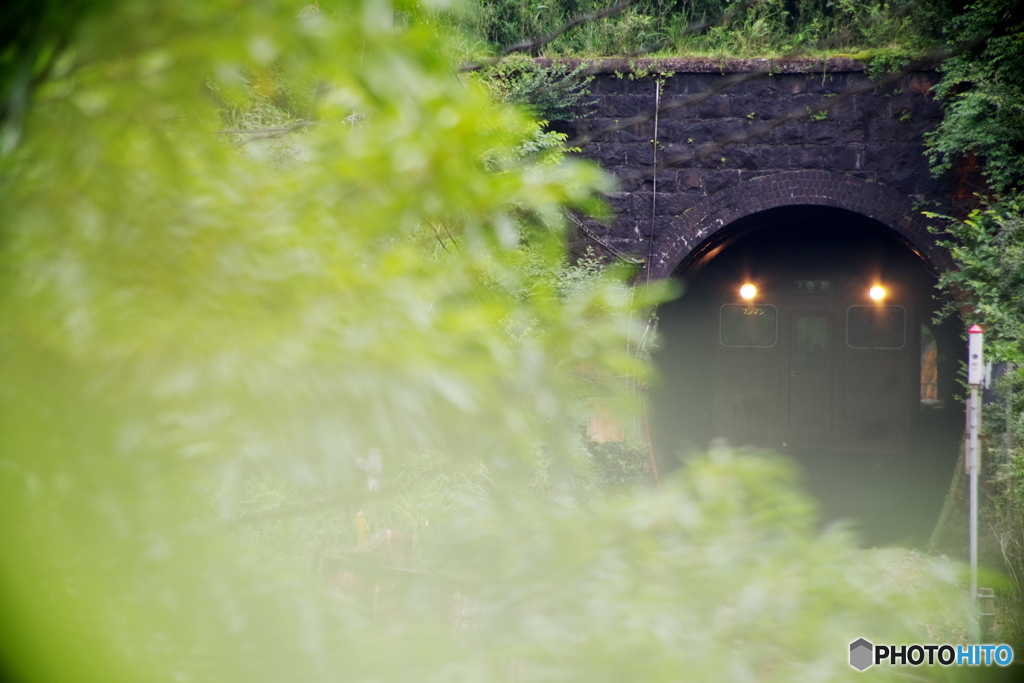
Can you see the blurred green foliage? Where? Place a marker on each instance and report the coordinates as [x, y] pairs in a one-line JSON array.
[[180, 317], [720, 574], [202, 333]]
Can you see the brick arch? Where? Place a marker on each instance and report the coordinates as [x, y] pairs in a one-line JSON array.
[[793, 188]]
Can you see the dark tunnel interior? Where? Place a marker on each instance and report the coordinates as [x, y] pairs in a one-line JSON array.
[[890, 495]]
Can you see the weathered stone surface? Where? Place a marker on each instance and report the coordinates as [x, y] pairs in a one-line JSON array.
[[902, 180], [714, 107], [822, 133], [688, 179], [620, 202], [719, 180], [674, 204], [733, 152]]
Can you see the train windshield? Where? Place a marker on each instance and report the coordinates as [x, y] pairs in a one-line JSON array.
[[876, 327], [748, 325]]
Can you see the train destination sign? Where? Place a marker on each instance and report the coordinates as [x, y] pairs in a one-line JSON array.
[[814, 286]]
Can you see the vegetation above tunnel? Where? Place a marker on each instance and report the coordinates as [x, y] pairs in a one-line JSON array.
[[735, 28]]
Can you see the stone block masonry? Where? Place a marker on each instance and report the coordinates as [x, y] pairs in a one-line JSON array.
[[862, 152]]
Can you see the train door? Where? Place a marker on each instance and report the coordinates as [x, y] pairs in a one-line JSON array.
[[881, 385], [810, 395], [745, 385]]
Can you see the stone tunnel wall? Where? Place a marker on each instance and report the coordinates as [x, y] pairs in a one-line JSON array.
[[874, 138]]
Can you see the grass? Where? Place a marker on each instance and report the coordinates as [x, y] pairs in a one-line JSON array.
[[767, 28], [911, 572]]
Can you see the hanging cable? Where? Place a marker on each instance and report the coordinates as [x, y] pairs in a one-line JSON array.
[[640, 401]]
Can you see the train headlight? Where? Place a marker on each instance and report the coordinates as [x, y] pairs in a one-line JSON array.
[[877, 292], [748, 291]]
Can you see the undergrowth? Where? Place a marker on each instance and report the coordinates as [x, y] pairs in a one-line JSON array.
[[665, 27]]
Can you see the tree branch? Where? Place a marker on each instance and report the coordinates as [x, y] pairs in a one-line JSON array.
[[266, 133], [584, 18], [278, 131], [592, 235], [524, 45]]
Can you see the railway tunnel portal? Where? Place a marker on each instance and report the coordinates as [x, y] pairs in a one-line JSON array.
[[858, 389], [813, 215]]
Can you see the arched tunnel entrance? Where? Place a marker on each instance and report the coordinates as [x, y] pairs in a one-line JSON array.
[[857, 389]]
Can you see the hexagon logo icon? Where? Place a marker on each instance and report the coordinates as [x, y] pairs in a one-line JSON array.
[[861, 652]]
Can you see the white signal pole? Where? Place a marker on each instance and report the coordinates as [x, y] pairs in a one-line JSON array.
[[975, 376]]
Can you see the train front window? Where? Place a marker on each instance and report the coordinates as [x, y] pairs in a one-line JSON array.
[[746, 325], [876, 327], [811, 343]]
